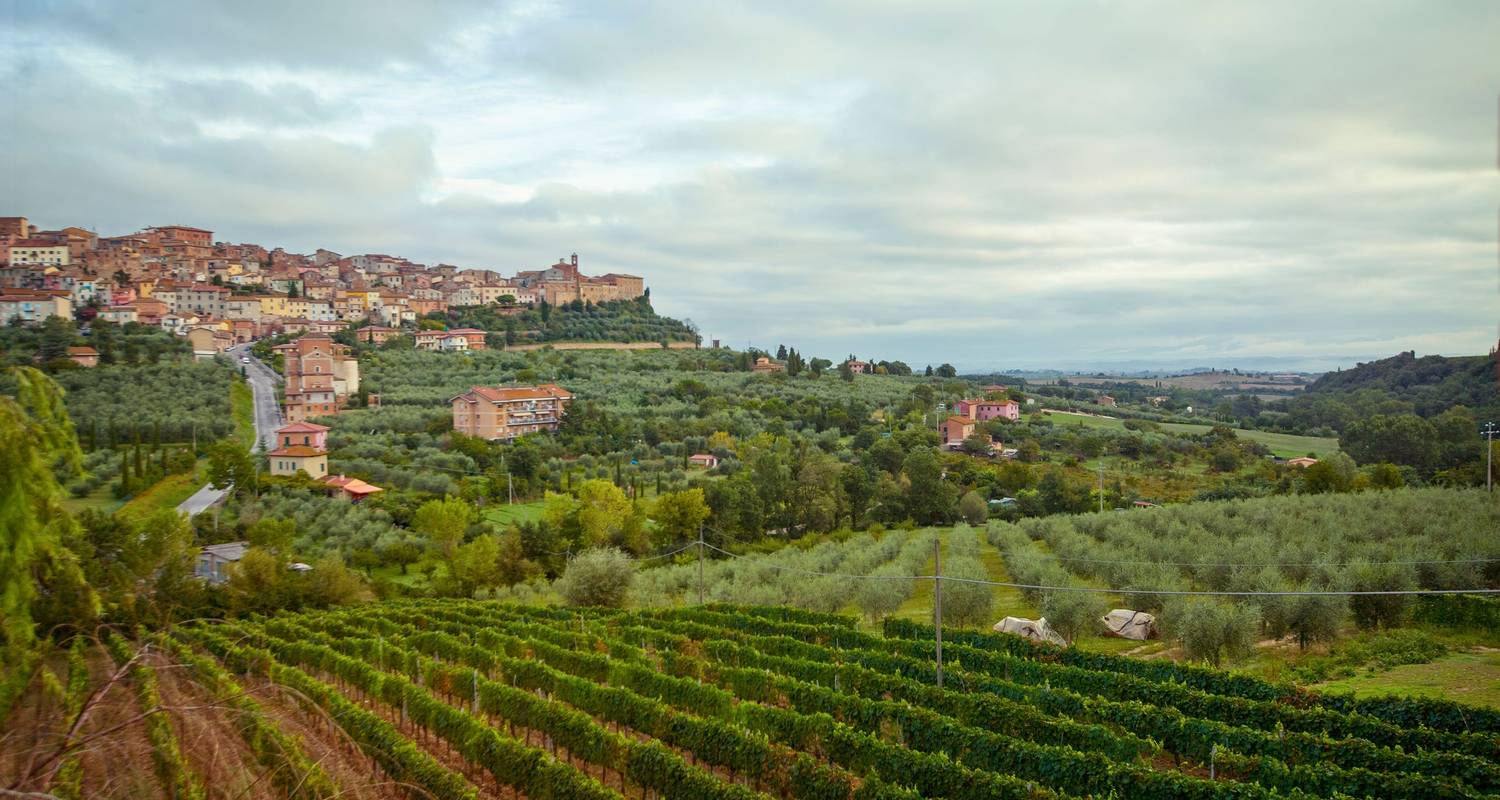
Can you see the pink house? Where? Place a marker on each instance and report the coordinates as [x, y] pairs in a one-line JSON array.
[[303, 433], [986, 410], [704, 460], [955, 429]]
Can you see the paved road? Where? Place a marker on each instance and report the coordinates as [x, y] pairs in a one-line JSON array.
[[264, 383]]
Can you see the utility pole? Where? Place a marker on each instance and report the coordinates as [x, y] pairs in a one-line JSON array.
[[510, 489], [1489, 455], [937, 603], [700, 563], [1101, 483]]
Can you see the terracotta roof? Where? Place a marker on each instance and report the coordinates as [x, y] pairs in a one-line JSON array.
[[350, 485], [82, 351], [964, 420], [298, 451], [303, 427], [499, 394], [37, 243]]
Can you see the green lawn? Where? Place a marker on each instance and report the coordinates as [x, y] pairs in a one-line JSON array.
[[101, 499], [413, 578], [1285, 445], [1472, 677], [242, 407], [503, 514]]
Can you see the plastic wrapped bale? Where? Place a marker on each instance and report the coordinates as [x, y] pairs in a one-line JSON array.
[[1036, 630], [1127, 624]]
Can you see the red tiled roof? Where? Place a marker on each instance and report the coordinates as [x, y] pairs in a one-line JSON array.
[[350, 485], [82, 351], [303, 427], [297, 451], [499, 394]]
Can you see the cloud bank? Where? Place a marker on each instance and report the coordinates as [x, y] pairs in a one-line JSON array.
[[991, 184]]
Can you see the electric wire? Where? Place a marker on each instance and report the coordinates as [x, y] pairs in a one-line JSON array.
[[1111, 591]]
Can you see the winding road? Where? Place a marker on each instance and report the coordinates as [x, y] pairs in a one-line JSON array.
[[263, 385]]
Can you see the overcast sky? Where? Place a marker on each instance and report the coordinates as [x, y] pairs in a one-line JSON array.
[[991, 184]]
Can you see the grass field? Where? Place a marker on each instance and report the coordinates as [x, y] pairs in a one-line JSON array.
[[516, 512], [1285, 445], [101, 499], [242, 407], [166, 494], [1472, 677]]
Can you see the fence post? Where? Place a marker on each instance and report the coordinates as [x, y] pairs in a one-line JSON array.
[[937, 602]]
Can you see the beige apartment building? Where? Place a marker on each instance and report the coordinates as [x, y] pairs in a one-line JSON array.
[[505, 412]]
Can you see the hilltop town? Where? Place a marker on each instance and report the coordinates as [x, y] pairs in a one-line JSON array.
[[179, 278]]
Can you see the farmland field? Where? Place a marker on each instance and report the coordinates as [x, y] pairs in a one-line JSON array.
[[470, 699], [1285, 445]]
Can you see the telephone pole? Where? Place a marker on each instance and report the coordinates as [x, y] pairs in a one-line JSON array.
[[1489, 455], [937, 603]]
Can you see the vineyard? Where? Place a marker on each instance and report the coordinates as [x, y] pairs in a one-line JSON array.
[[470, 699]]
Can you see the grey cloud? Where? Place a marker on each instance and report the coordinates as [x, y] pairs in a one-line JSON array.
[[343, 34], [989, 184], [233, 100]]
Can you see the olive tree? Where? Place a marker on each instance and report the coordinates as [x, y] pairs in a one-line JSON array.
[[597, 577]]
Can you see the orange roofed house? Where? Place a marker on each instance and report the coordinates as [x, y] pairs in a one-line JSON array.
[[351, 489], [509, 411]]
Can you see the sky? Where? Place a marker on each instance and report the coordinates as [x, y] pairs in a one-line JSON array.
[[990, 184]]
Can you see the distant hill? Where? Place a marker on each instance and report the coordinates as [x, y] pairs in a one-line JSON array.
[[1431, 384]]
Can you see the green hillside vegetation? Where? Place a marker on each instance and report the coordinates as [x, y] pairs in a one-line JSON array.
[[1430, 384], [579, 321]]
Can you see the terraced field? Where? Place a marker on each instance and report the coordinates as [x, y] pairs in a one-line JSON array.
[[469, 699]]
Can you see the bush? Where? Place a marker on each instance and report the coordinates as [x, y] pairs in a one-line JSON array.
[[973, 508], [1210, 629], [1073, 613], [597, 577]]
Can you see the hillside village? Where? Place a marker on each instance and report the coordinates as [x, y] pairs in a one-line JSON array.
[[179, 278]]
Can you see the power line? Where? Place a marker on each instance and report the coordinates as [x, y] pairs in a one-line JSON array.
[[823, 574], [1099, 590], [1268, 564], [1191, 593]]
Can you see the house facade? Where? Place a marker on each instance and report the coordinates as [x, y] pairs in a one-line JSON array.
[[299, 458], [214, 560], [986, 410], [320, 376], [955, 429]]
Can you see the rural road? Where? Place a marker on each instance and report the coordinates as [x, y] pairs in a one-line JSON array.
[[263, 384]]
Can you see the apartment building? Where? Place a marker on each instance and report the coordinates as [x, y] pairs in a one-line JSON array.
[[320, 376], [32, 307], [41, 252], [505, 412]]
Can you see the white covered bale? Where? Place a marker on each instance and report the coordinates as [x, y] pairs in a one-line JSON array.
[[1036, 630], [1127, 624]]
